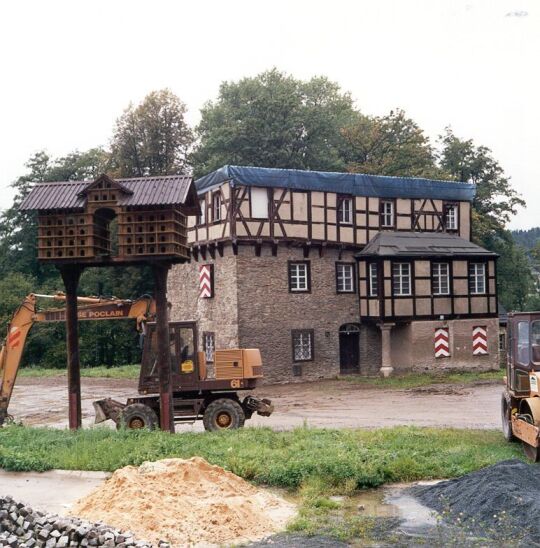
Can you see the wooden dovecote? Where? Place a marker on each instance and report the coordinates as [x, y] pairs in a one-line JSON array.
[[113, 220]]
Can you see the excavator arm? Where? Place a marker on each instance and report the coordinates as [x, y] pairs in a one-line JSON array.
[[90, 308]]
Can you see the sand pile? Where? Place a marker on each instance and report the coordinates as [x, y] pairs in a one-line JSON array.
[[503, 498], [185, 502]]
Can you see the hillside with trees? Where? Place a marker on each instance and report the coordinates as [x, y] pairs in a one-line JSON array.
[[272, 120]]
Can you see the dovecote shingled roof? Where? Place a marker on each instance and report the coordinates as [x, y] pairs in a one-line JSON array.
[[356, 184], [138, 191], [421, 244]]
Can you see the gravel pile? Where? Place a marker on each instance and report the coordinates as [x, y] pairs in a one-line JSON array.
[[22, 527], [502, 499]]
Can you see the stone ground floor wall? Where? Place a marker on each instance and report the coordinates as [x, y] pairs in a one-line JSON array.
[[413, 346], [253, 308], [268, 312]]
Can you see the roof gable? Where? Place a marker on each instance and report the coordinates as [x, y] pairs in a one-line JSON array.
[[105, 182], [166, 190]]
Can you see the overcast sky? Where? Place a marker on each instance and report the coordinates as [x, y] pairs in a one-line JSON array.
[[69, 68]]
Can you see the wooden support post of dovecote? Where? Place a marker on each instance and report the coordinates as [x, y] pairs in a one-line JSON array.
[[163, 353], [71, 275], [77, 224]]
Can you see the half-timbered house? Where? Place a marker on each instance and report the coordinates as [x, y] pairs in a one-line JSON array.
[[332, 273]]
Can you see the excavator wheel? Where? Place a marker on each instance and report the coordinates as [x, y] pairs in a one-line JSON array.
[[506, 412], [223, 414], [137, 416]]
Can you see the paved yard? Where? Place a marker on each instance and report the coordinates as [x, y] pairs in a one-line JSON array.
[[331, 404]]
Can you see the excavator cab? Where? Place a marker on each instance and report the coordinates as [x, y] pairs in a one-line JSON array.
[[184, 357]]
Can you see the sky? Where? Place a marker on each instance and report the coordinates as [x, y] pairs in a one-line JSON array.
[[69, 68]]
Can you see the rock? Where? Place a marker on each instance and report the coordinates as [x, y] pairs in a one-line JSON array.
[[51, 543], [62, 542], [43, 534]]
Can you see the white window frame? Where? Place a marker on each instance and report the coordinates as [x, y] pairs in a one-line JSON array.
[[202, 204], [302, 345], [387, 213], [345, 282], [259, 203], [477, 278], [216, 206], [345, 211], [401, 279], [451, 217], [299, 273], [373, 280], [441, 278]]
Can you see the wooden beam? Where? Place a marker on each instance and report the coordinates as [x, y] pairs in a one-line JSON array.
[[212, 251], [258, 246], [220, 248], [166, 412], [71, 275]]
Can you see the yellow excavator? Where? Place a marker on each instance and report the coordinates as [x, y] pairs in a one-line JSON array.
[[196, 395]]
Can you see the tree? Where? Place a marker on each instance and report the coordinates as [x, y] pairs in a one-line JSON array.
[[274, 120], [152, 138], [18, 229], [496, 201], [389, 145]]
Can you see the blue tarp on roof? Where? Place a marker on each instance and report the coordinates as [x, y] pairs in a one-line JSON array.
[[345, 183]]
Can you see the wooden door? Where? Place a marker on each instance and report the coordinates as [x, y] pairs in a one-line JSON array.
[[349, 349]]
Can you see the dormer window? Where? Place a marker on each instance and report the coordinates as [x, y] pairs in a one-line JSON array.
[[345, 212]]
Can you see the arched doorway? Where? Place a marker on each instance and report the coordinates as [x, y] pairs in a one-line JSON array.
[[349, 348]]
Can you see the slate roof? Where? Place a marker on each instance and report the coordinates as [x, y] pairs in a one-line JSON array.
[[145, 191], [347, 183], [421, 244]]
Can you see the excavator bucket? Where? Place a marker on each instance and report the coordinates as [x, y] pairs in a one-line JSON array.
[[108, 409]]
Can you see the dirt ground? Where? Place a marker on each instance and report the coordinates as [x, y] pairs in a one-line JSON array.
[[330, 404]]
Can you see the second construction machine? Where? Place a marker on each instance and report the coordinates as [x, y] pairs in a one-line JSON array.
[[197, 395]]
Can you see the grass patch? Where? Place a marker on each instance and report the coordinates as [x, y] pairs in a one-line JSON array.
[[323, 460], [117, 372], [416, 380], [312, 463]]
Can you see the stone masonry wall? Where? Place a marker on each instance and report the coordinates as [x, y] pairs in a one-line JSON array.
[[460, 331], [218, 314], [370, 349], [268, 312]]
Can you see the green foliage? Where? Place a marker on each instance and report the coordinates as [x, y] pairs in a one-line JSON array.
[[339, 459], [389, 145], [496, 201], [527, 238], [274, 120], [100, 371], [417, 380], [153, 137]]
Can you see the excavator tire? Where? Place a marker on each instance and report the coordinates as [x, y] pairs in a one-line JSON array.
[[223, 414], [137, 416], [506, 416]]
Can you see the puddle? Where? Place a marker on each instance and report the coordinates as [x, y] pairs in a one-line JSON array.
[[392, 501]]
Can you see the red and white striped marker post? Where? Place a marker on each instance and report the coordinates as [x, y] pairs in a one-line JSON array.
[[442, 343], [479, 342], [206, 274]]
